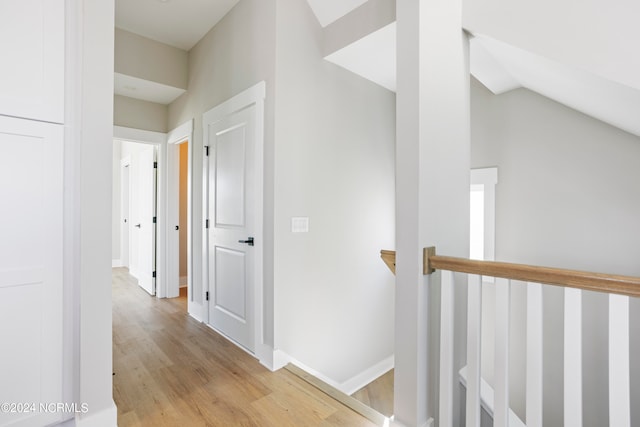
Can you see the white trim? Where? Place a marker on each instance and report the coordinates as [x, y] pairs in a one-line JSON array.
[[255, 95], [487, 178], [183, 281], [619, 364], [116, 263], [181, 134], [572, 357], [107, 417], [124, 163], [159, 140], [279, 359], [367, 376], [138, 135]]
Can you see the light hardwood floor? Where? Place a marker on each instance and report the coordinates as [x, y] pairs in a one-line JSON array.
[[378, 395], [170, 370]]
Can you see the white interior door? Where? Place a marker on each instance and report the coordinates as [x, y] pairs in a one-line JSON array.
[[231, 206], [145, 226], [125, 219]]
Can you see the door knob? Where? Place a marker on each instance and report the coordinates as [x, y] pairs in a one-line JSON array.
[[249, 241], [177, 227], [137, 225]]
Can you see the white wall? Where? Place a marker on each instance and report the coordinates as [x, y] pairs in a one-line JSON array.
[[88, 207], [567, 197], [597, 36], [138, 114], [335, 140]]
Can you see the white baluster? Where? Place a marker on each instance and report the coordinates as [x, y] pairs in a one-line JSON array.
[[619, 385], [474, 320], [534, 355], [572, 357], [501, 354], [446, 349]]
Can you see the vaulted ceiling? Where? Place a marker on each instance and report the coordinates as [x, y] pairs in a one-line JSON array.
[[500, 67]]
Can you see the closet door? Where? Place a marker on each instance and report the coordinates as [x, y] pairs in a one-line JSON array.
[[31, 316], [32, 72]]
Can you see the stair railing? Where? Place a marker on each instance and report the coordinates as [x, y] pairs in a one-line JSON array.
[[619, 288]]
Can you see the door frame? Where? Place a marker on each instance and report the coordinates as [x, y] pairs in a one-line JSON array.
[[125, 164], [176, 137], [255, 95], [159, 140]]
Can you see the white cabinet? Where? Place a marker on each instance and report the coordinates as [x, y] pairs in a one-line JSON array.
[[32, 75], [31, 286], [32, 35]]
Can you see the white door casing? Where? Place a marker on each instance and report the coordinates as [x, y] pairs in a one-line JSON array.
[[181, 134], [233, 137], [125, 213], [31, 262]]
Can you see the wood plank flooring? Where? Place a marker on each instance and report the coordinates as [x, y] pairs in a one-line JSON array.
[[378, 394], [171, 370]]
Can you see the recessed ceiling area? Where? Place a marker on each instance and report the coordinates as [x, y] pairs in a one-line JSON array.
[[178, 23], [145, 90]]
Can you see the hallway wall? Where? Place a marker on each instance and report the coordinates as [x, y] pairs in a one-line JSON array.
[[335, 156]]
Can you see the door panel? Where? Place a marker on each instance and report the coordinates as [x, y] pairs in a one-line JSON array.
[[32, 46], [31, 262], [231, 203], [147, 227], [231, 284], [230, 177]]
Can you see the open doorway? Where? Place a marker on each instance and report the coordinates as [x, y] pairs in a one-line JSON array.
[[137, 220], [183, 191]]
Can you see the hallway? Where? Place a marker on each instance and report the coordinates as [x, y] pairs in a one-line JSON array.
[[170, 370]]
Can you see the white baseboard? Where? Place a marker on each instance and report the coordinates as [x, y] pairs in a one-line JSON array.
[[107, 417], [195, 312], [183, 281], [116, 263], [365, 377], [274, 359], [348, 387]]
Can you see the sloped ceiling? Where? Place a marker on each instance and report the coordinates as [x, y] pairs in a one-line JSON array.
[[328, 11], [501, 67]]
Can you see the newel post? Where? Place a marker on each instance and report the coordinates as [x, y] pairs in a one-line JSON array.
[[432, 186]]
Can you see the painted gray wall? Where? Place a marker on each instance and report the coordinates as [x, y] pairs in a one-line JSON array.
[[332, 160], [138, 114], [335, 141], [568, 196], [147, 59], [235, 55]]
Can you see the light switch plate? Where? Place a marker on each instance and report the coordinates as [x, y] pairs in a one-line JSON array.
[[300, 224]]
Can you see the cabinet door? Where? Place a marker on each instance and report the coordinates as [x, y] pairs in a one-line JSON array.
[[32, 71], [31, 286]]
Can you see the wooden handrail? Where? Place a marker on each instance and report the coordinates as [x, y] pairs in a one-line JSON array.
[[597, 282]]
